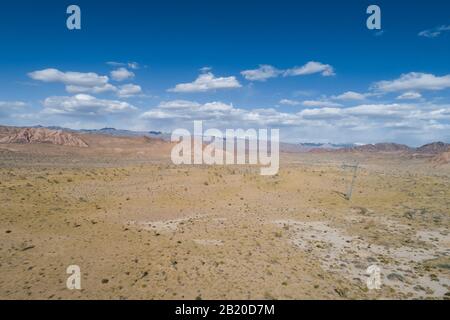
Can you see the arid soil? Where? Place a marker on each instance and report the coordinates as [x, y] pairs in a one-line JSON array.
[[140, 227]]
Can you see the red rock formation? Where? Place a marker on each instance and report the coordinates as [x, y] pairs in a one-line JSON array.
[[41, 135]]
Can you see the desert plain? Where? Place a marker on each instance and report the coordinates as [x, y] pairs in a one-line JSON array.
[[140, 227]]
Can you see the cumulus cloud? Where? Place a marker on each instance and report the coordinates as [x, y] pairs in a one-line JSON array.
[[84, 105], [183, 109], [88, 79], [379, 122], [263, 73], [222, 115], [410, 95], [310, 68], [96, 89], [350, 95], [89, 82], [411, 122], [366, 114], [129, 90], [183, 112], [74, 81], [414, 81], [434, 32], [207, 82], [121, 74], [324, 117]]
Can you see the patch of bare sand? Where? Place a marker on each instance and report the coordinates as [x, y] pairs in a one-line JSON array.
[[350, 256], [162, 226]]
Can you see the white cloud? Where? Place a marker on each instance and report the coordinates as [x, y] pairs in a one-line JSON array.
[[321, 114], [207, 82], [266, 71], [410, 95], [320, 103], [400, 122], [367, 113], [87, 79], [183, 109], [375, 111], [10, 108], [310, 68], [263, 73], [89, 83], [178, 104], [159, 114], [131, 65], [84, 105], [205, 69], [12, 104], [435, 32], [350, 95], [76, 82], [121, 74], [182, 113], [380, 122], [116, 64], [215, 113], [289, 102], [80, 89], [129, 90], [414, 81]]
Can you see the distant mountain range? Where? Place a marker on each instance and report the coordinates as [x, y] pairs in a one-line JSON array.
[[434, 148], [311, 146], [429, 149], [114, 132]]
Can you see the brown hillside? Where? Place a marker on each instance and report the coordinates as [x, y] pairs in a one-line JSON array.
[[41, 135]]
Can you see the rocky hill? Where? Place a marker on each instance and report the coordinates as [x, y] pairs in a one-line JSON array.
[[433, 148], [380, 147], [42, 135]]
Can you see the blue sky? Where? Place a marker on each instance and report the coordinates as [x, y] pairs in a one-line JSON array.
[[312, 69]]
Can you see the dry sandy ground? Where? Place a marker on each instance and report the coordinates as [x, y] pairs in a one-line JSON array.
[[141, 228]]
